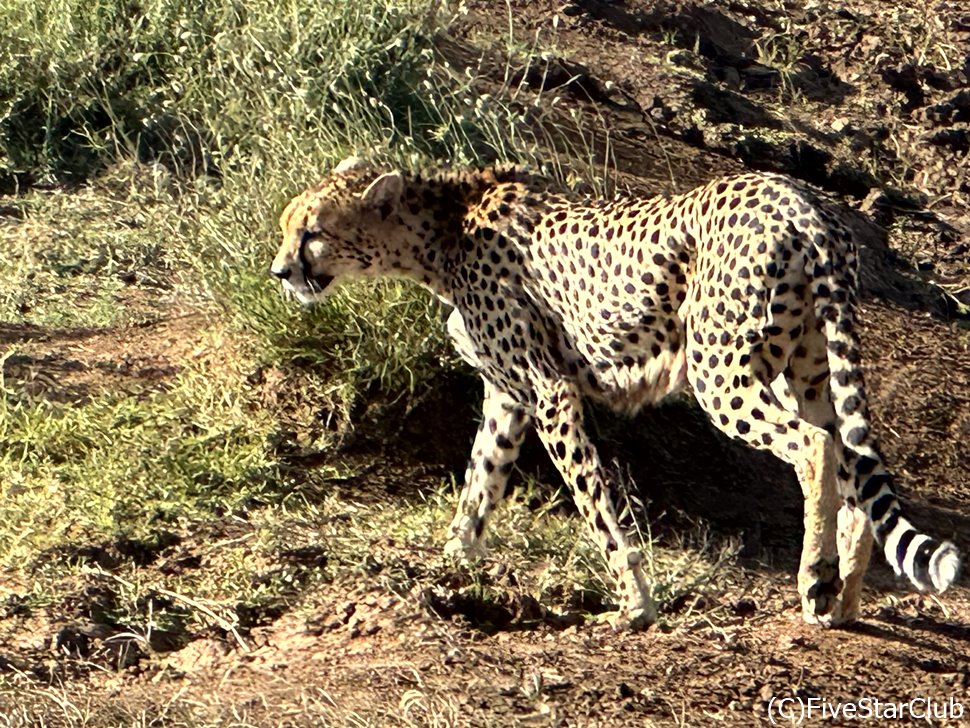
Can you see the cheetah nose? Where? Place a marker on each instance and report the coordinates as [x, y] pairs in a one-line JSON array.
[[281, 273]]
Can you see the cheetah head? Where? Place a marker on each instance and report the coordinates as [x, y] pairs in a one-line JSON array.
[[333, 231]]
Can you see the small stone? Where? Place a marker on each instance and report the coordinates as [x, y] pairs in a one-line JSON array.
[[680, 58], [745, 607], [841, 124]]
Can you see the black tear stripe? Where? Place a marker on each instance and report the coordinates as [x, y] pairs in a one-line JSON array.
[[301, 256]]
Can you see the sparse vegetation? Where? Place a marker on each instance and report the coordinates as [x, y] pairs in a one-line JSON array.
[[202, 488], [183, 133], [180, 136]]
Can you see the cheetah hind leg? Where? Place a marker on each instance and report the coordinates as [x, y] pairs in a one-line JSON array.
[[820, 574], [853, 535], [855, 542], [761, 420]]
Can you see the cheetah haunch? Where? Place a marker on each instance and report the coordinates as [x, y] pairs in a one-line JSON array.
[[725, 287]]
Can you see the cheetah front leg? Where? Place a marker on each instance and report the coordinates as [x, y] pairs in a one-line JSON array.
[[496, 447], [559, 422]]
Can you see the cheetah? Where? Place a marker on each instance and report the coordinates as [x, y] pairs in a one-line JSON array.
[[725, 288]]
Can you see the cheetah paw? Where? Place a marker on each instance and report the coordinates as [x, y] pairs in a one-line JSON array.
[[821, 590], [460, 550], [825, 611], [628, 620]]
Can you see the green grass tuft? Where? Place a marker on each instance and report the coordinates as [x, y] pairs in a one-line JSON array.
[[124, 467]]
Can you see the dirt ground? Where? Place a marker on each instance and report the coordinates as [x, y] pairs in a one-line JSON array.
[[689, 91]]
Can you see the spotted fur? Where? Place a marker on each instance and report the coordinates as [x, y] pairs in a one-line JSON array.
[[727, 288]]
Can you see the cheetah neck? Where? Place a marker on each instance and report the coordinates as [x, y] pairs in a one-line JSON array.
[[431, 216]]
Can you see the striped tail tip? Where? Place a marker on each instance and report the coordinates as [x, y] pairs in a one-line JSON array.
[[944, 566], [927, 563]]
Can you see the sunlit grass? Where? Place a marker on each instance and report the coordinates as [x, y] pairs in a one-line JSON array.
[[122, 466]]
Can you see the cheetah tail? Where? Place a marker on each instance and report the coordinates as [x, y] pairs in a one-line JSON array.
[[929, 564]]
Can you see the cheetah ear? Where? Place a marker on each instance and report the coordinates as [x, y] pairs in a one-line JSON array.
[[349, 165], [383, 193]]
